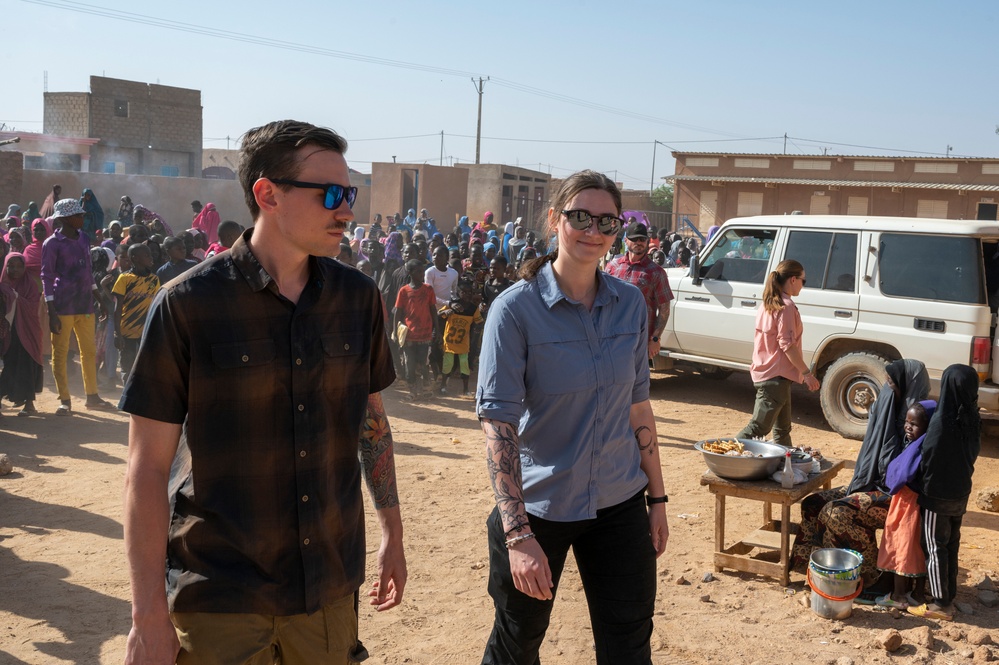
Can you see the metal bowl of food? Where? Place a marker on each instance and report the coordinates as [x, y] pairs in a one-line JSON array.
[[741, 459]]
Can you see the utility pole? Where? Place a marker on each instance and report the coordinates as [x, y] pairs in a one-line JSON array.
[[442, 147], [478, 127], [785, 143], [652, 182]]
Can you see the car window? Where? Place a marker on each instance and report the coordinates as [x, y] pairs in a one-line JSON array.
[[829, 259], [947, 268], [740, 255]]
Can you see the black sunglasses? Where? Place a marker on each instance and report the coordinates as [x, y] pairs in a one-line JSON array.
[[334, 193], [581, 220]]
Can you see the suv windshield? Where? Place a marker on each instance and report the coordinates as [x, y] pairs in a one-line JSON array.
[[946, 268]]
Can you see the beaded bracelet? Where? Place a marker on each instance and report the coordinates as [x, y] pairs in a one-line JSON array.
[[519, 539]]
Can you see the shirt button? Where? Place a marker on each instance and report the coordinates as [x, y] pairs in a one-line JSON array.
[[298, 361], [301, 407], [302, 454], [305, 542], [305, 498], [246, 359], [346, 347]]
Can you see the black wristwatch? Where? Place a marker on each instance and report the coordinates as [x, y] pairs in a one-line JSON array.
[[655, 339], [652, 500]]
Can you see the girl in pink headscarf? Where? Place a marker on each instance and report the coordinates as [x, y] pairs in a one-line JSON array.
[[33, 251], [207, 222], [21, 378]]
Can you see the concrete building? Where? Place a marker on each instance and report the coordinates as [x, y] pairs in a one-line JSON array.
[[508, 192], [143, 128], [713, 187], [442, 190]]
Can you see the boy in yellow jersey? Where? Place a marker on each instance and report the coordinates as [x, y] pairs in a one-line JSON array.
[[460, 313]]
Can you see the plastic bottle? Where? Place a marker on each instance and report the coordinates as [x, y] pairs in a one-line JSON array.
[[787, 475]]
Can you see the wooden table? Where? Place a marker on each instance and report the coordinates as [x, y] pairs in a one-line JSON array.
[[773, 535]]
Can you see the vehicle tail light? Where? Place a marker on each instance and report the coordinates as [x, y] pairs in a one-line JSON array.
[[981, 356]]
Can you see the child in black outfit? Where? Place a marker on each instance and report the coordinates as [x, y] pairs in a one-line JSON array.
[[951, 446]]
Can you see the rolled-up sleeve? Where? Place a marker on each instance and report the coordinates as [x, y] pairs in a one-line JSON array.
[[787, 328], [502, 366]]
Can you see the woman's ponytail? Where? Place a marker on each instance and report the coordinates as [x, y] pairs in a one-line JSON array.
[[773, 292]]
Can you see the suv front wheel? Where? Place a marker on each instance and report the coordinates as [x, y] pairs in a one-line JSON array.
[[849, 387]]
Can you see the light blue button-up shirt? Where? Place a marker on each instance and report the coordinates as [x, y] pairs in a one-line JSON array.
[[568, 377]]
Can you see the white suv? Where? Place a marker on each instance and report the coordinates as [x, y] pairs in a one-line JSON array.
[[878, 289]]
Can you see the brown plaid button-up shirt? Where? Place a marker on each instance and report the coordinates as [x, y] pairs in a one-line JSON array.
[[265, 491]]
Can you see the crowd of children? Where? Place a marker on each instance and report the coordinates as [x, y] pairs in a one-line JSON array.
[[131, 256], [436, 288]]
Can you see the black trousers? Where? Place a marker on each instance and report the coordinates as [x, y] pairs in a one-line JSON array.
[[941, 539], [617, 565]]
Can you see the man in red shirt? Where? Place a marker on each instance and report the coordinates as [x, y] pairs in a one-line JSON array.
[[416, 308], [635, 267]]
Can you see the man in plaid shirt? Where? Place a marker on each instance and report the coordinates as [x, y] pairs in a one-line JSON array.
[[635, 267]]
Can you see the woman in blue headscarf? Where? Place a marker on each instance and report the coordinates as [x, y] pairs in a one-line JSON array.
[[463, 227], [93, 214]]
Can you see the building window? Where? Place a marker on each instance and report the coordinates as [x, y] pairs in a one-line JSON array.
[[509, 176], [935, 167], [170, 171], [701, 161], [109, 167], [750, 203], [812, 164], [990, 169], [856, 205], [931, 209], [120, 108], [746, 163], [879, 167]]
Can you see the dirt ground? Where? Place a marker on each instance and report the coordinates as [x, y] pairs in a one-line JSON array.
[[64, 593]]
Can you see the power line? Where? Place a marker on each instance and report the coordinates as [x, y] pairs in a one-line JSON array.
[[191, 28]]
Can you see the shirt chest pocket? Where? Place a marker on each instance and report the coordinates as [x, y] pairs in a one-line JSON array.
[[245, 370], [345, 354], [560, 368]]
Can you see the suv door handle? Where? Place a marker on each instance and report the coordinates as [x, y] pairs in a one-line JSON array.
[[843, 313], [697, 299], [749, 303]]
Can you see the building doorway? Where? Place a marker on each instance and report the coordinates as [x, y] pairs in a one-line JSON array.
[[410, 189], [987, 211]]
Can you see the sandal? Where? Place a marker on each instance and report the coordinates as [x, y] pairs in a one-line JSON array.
[[925, 612], [887, 601], [100, 405], [64, 410]]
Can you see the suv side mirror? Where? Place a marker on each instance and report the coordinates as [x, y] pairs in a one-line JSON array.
[[695, 270]]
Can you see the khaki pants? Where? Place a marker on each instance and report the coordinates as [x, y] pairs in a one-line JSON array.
[[83, 326], [772, 411], [325, 637]]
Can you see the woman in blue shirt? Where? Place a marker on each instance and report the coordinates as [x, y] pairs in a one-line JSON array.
[[571, 439]]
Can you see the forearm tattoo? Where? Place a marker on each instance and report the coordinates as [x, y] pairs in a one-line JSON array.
[[645, 439], [375, 451], [503, 461], [661, 320]]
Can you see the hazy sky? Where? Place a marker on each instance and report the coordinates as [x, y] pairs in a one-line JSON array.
[[585, 84]]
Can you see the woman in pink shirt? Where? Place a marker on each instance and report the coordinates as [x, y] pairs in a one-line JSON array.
[[777, 357]]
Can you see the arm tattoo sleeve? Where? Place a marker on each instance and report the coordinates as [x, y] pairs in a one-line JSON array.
[[662, 319], [503, 461], [645, 440], [376, 455]]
